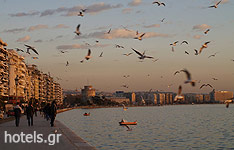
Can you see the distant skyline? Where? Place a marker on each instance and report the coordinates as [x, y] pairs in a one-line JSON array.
[[49, 26]]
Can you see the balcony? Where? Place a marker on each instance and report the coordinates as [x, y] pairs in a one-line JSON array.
[[3, 50]]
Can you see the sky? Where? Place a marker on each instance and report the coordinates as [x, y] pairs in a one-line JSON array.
[[49, 26]]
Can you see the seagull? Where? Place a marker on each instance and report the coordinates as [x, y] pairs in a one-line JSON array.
[[81, 61], [179, 97], [213, 55], [154, 60], [118, 46], [207, 31], [124, 86], [126, 28], [109, 31], [81, 14], [126, 76], [215, 5], [162, 19], [214, 78], [32, 48], [17, 49], [83, 10], [196, 52], [97, 41], [174, 44], [206, 85], [67, 64], [77, 30], [177, 72], [87, 57], [227, 102], [127, 54], [63, 51], [142, 55], [159, 3], [140, 37], [204, 46], [189, 80], [184, 42], [101, 54], [186, 52], [232, 59]]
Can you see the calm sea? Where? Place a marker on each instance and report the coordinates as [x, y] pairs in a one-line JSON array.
[[165, 127]]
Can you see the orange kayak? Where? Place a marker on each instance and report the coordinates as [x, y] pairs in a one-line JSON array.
[[128, 123]]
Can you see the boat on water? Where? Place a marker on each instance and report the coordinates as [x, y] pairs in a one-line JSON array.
[[86, 114], [124, 122]]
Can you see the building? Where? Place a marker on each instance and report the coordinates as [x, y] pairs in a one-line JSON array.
[[87, 93], [58, 94], [3, 72], [220, 96]]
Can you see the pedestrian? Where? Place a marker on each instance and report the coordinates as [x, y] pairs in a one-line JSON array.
[[47, 111], [35, 110], [17, 111], [29, 112], [53, 112]]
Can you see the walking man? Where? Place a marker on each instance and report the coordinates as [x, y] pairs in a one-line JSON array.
[[29, 112], [17, 111], [53, 112]]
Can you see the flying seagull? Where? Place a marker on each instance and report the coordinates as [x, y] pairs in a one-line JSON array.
[[196, 52], [214, 78], [177, 72], [215, 5], [140, 37], [67, 64], [17, 49], [124, 85], [83, 10], [77, 30], [32, 48], [118, 46], [206, 85], [127, 54], [126, 76], [206, 31], [101, 54], [189, 79], [159, 3], [204, 46], [109, 31], [162, 19], [81, 61], [174, 44], [142, 55], [213, 55], [184, 42], [186, 52], [81, 14], [34, 57], [154, 60], [87, 57], [179, 97]]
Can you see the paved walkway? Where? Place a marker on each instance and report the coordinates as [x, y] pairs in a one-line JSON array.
[[67, 141]]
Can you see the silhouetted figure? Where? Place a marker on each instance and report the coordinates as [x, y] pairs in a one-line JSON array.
[[35, 111], [46, 111], [53, 112], [17, 111], [29, 112]]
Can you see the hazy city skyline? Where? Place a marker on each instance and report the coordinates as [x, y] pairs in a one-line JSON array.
[[50, 26]]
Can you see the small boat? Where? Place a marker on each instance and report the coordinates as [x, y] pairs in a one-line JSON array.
[[86, 114], [123, 122]]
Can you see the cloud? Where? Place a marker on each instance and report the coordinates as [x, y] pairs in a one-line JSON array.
[[38, 41], [197, 36], [224, 1], [38, 27], [121, 33], [153, 26], [59, 26], [134, 3], [201, 27], [24, 39], [127, 10], [78, 46], [22, 14], [49, 12], [16, 30]]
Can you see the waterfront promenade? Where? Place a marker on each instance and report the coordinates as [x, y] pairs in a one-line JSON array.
[[67, 141]]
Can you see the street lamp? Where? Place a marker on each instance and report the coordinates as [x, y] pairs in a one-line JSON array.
[[16, 84]]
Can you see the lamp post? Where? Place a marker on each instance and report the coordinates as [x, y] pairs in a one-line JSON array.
[[16, 84]]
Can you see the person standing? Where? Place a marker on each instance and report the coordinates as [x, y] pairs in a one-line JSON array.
[[17, 111], [53, 112], [29, 112]]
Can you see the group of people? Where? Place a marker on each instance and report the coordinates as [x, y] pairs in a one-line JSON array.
[[50, 111]]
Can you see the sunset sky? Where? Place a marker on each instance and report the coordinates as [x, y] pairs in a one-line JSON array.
[[49, 26]]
